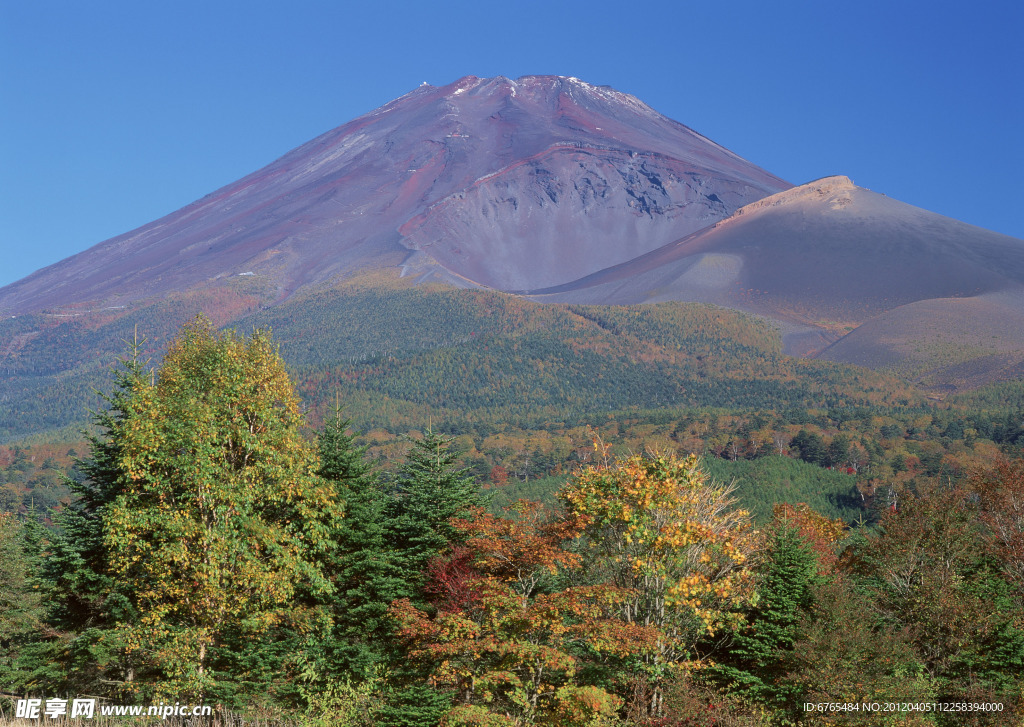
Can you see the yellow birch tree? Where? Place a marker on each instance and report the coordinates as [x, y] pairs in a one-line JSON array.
[[659, 529], [220, 515]]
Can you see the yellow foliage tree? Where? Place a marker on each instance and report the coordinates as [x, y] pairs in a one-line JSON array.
[[508, 648], [658, 528], [220, 515]]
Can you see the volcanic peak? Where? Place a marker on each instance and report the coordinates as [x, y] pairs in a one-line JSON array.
[[514, 184], [816, 190], [576, 192]]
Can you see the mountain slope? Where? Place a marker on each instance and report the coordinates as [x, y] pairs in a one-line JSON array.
[[400, 355], [477, 182], [821, 260], [551, 189]]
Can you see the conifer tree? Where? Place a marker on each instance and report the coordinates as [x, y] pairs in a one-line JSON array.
[[757, 659], [364, 573], [810, 448], [21, 609], [84, 653], [431, 489]]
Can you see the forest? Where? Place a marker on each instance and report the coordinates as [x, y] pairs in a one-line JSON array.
[[398, 354], [215, 541]]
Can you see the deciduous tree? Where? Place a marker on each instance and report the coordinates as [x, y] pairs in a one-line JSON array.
[[1000, 493], [657, 528], [508, 651], [219, 514], [930, 577]]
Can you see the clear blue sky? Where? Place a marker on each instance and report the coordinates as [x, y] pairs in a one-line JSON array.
[[115, 113]]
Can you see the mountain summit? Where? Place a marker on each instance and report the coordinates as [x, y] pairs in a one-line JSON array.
[[508, 184], [562, 191]]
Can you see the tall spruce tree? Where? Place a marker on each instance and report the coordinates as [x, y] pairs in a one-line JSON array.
[[758, 658], [430, 490], [364, 572], [21, 608], [82, 652]]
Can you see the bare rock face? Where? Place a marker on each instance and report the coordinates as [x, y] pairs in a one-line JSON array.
[[508, 184], [549, 220]]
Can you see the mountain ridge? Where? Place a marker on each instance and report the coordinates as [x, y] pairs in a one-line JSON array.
[[561, 191], [819, 259], [337, 204]]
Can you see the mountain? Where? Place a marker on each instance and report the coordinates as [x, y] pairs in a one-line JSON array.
[[549, 192], [842, 270], [484, 182]]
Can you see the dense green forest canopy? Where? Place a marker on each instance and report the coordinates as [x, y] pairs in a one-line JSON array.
[[524, 386], [398, 354]]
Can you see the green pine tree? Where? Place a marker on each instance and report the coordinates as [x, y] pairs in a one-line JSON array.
[[430, 490], [341, 460], [415, 706], [21, 607], [82, 652], [757, 660], [365, 573]]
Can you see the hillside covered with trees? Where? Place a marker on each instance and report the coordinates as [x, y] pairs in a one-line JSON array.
[[398, 354]]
